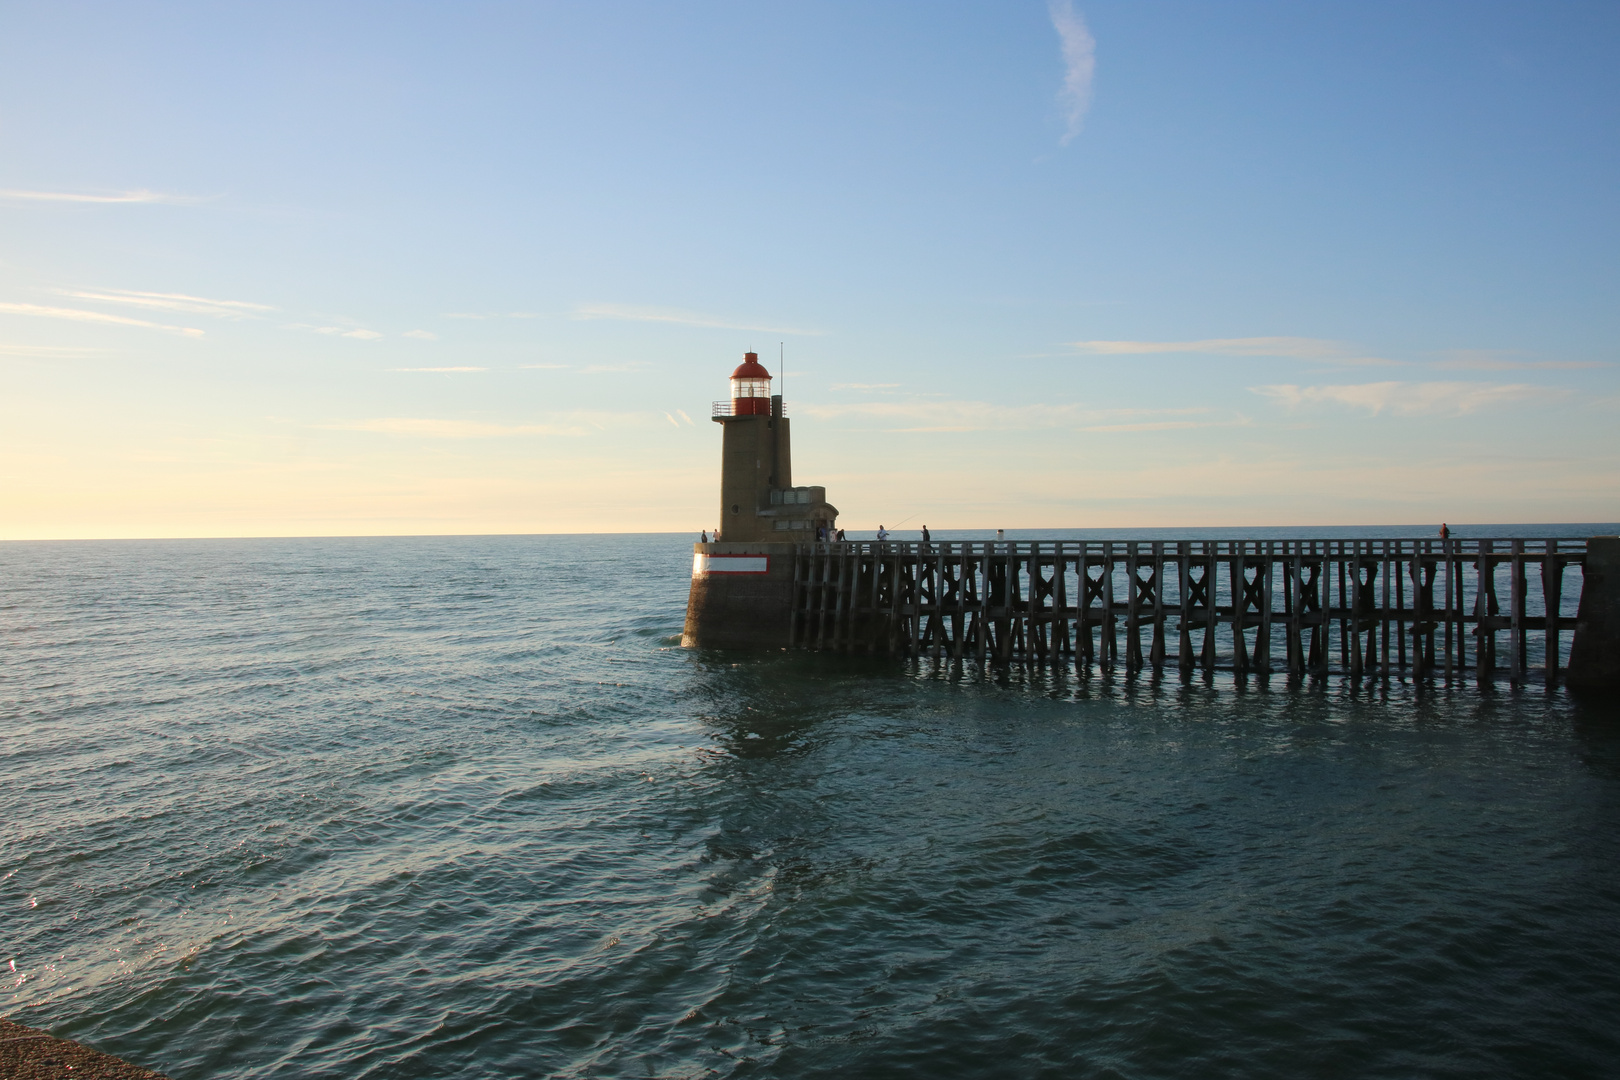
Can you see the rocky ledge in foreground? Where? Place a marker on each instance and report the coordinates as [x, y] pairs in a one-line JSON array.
[[26, 1054]]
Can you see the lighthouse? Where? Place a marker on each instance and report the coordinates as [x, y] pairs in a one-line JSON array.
[[742, 584], [758, 501]]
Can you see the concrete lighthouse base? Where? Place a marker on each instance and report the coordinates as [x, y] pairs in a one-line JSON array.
[[1594, 656], [741, 598]]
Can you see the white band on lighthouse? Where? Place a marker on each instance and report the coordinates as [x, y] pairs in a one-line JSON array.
[[730, 564]]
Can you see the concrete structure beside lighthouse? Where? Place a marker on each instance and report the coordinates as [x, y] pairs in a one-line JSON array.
[[742, 585]]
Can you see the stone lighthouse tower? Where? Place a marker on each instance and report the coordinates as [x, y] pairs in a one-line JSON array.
[[758, 501], [742, 584]]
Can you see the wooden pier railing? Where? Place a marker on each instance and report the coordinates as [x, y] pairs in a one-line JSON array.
[[1427, 609]]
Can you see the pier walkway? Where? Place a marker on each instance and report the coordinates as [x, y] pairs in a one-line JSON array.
[[1451, 610]]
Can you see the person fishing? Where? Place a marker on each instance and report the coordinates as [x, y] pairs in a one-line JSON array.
[[882, 534]]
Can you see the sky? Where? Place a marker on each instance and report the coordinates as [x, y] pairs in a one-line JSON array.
[[356, 269]]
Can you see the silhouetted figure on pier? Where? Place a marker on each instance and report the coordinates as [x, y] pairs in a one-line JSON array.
[[1445, 531]]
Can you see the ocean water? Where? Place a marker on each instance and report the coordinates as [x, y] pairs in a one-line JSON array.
[[462, 807]]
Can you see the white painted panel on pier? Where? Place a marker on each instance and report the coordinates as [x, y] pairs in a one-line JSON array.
[[729, 564]]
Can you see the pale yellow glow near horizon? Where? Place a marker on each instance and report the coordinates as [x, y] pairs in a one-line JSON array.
[[407, 487]]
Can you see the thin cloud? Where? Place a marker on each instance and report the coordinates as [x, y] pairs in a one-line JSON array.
[[77, 315], [1504, 360], [1295, 348], [489, 315], [421, 335], [421, 427], [1167, 425], [682, 414], [1159, 425], [1079, 65], [933, 414], [613, 369], [180, 302], [938, 415], [542, 367], [61, 352], [672, 420], [1121, 413], [628, 313], [1411, 399], [337, 331], [439, 369], [77, 197]]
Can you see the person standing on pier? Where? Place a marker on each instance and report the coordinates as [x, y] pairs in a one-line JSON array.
[[882, 534], [1445, 531], [705, 535]]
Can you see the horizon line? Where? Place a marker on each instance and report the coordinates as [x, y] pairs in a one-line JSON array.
[[683, 532]]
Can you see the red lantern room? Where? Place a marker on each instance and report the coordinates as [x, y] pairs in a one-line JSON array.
[[750, 388]]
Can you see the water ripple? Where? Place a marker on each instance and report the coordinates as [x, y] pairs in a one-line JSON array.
[[455, 807]]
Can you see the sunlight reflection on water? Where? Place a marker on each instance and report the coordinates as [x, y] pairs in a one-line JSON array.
[[454, 807]]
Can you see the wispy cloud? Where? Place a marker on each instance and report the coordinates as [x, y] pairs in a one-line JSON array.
[[1157, 425], [189, 305], [682, 414], [1079, 65], [943, 415], [672, 420], [79, 197], [439, 369], [614, 369], [1169, 425], [490, 315], [934, 414], [1505, 360], [1128, 420], [629, 313], [77, 315], [57, 352], [1297, 348], [1411, 399], [337, 331], [421, 427], [421, 335], [543, 367]]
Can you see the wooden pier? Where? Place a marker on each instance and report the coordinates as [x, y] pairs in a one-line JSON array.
[[1449, 610]]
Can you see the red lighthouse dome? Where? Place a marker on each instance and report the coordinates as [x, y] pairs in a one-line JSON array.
[[750, 388]]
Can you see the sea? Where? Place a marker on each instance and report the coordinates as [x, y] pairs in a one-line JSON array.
[[462, 807]]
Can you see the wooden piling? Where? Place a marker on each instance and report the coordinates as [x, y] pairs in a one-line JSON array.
[[998, 603]]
